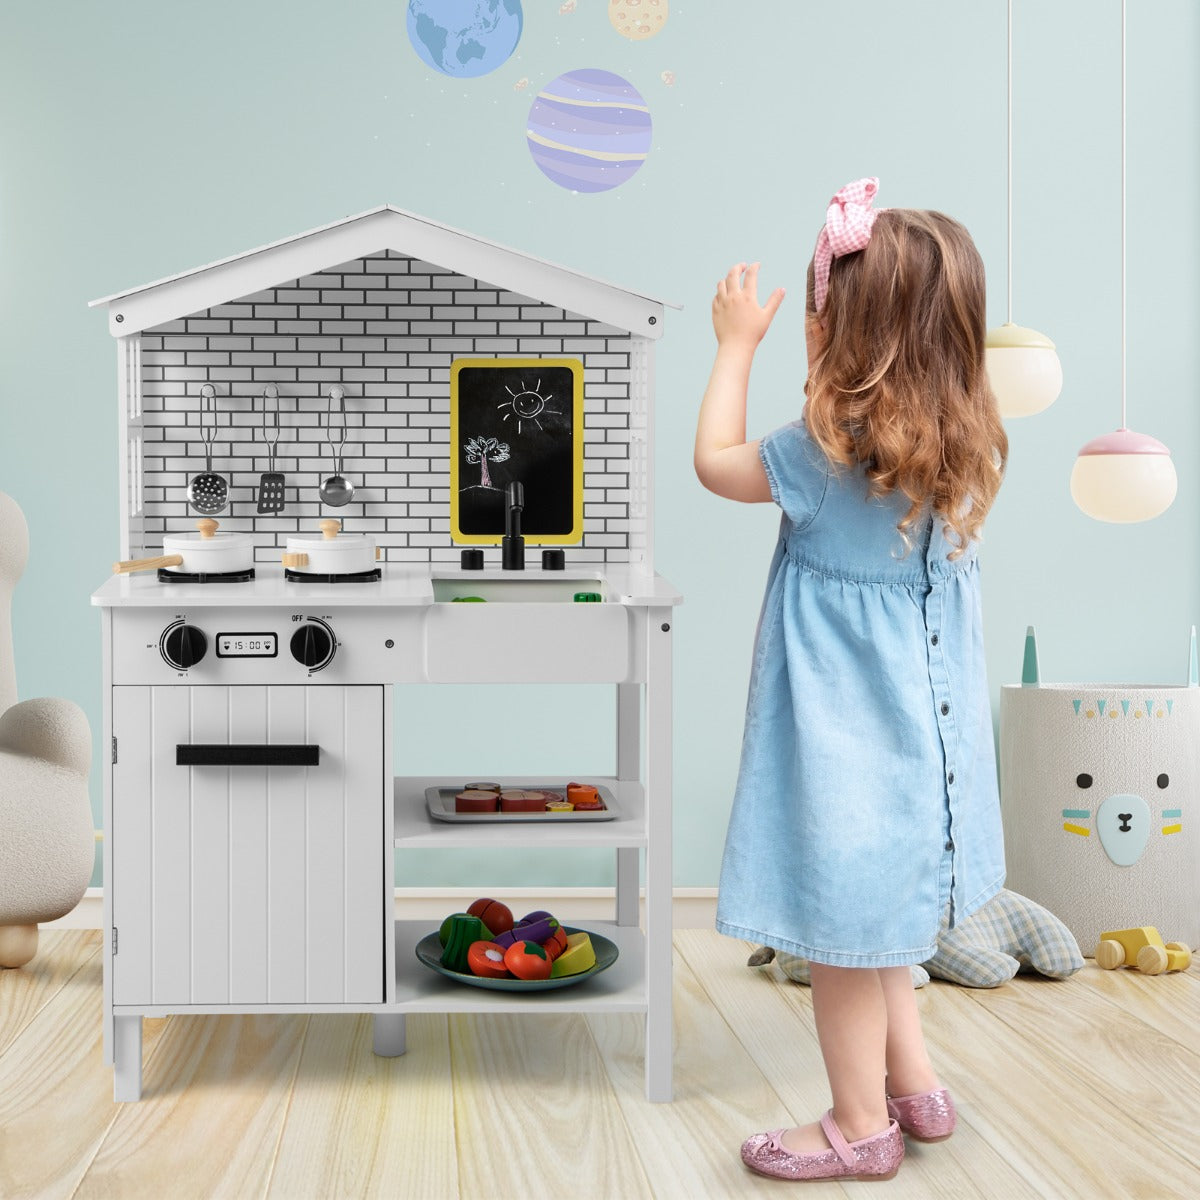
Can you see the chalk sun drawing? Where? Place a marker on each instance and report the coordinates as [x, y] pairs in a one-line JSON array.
[[527, 405]]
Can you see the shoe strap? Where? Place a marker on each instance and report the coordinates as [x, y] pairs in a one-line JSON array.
[[840, 1145]]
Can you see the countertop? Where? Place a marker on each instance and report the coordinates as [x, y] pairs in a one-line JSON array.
[[400, 586]]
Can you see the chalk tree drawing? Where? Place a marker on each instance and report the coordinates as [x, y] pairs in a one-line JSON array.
[[481, 450]]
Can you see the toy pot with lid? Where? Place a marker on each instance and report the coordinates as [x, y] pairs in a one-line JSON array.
[[331, 552], [205, 552]]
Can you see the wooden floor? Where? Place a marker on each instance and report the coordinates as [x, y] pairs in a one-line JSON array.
[[1088, 1088]]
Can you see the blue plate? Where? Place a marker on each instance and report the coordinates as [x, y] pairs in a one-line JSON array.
[[429, 951]]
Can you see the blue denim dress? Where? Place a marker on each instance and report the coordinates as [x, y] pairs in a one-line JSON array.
[[866, 799]]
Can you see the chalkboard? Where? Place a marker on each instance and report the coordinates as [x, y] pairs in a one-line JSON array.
[[516, 419]]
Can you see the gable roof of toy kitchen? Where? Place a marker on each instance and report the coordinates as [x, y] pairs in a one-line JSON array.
[[372, 232]]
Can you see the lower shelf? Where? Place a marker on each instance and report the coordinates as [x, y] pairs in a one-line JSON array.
[[622, 988]]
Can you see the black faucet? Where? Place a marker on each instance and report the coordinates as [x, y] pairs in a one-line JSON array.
[[512, 546]]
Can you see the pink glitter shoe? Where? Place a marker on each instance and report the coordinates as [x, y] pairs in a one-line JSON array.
[[877, 1157], [925, 1116]]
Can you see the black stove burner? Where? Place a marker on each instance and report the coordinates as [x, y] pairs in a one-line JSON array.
[[168, 576], [371, 576]]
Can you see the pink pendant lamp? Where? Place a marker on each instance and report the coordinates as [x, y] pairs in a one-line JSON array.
[[1123, 477], [1022, 364]]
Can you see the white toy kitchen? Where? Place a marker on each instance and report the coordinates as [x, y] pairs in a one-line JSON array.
[[351, 459]]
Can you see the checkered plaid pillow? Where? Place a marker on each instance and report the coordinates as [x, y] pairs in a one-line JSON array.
[[1010, 933]]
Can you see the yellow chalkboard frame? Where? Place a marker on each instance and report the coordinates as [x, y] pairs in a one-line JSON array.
[[575, 365]]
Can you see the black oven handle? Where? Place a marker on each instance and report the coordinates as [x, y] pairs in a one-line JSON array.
[[201, 755]]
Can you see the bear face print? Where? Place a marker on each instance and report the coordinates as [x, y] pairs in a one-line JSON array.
[[1123, 821]]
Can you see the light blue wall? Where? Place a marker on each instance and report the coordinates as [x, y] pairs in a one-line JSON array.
[[142, 138]]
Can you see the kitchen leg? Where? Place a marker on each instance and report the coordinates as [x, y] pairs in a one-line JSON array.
[[627, 886], [127, 1058], [389, 1035], [629, 765], [659, 1024]]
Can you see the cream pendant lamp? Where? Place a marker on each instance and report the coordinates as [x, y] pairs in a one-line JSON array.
[[1022, 364], [1123, 476]]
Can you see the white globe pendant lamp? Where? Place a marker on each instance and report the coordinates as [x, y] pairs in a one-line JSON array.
[[1022, 364], [1123, 477], [1023, 369]]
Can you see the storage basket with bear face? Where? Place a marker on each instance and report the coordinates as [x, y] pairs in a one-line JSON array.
[[1098, 790]]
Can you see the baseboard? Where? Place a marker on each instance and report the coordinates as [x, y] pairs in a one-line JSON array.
[[691, 908]]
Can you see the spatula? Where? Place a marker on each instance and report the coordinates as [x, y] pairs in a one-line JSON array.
[[271, 484]]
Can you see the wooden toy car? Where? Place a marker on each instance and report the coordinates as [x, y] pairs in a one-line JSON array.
[[1142, 947]]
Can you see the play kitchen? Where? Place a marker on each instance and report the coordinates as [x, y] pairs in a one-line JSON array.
[[335, 451]]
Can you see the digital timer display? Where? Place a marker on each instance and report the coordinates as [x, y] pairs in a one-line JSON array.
[[247, 645]]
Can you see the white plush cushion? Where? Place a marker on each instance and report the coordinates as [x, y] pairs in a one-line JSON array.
[[46, 842]]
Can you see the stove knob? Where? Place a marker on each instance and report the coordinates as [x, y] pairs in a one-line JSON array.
[[183, 646], [312, 645]]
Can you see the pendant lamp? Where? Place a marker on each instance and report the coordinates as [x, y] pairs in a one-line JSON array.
[[1022, 364], [1123, 476]]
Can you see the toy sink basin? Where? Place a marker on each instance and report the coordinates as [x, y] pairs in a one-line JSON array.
[[530, 630], [517, 587]]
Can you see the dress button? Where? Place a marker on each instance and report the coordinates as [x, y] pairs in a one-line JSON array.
[[949, 845], [950, 777], [933, 641], [945, 709]]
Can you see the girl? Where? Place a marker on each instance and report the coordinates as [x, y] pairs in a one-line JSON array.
[[866, 800]]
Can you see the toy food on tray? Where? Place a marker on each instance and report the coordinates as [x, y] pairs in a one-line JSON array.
[[584, 797], [523, 800], [476, 800], [491, 797], [535, 947]]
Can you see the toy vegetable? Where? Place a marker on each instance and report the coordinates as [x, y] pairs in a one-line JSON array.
[[556, 943], [486, 959], [460, 931], [579, 956], [495, 914], [527, 960], [534, 927]]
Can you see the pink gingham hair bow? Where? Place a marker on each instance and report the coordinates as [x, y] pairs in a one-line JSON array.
[[848, 223]]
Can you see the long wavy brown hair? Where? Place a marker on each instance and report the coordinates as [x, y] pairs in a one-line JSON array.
[[899, 383]]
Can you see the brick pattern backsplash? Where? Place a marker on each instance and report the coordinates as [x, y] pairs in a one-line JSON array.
[[386, 328]]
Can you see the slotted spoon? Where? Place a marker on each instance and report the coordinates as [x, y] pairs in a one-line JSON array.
[[208, 492]]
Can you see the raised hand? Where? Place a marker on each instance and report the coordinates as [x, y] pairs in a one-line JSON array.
[[737, 316]]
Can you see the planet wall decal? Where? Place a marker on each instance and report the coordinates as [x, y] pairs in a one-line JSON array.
[[464, 38], [638, 20], [589, 130]]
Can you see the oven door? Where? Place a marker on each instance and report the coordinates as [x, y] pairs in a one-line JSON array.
[[248, 846]]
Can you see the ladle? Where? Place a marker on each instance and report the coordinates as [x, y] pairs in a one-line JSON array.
[[336, 490]]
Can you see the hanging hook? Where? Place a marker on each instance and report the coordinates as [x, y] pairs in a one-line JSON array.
[[337, 395], [271, 393], [208, 407]]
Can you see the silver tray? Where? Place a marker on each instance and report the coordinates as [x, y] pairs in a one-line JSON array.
[[440, 803]]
